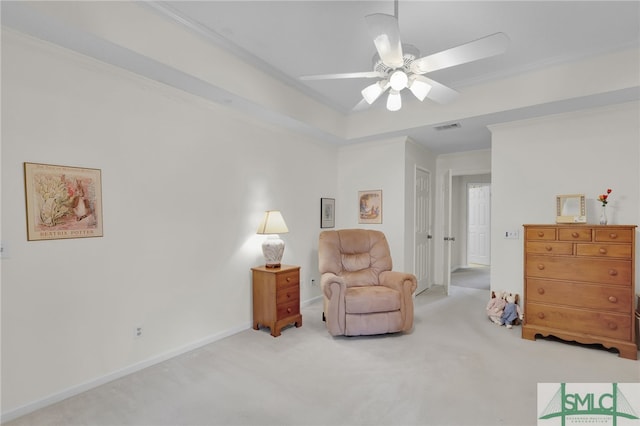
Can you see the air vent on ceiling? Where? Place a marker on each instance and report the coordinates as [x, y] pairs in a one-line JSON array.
[[448, 126]]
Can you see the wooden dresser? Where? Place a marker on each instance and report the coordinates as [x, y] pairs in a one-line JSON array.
[[276, 297], [579, 284]]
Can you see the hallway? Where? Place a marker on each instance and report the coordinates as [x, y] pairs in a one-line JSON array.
[[473, 276]]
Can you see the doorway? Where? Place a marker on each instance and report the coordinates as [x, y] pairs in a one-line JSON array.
[[422, 229], [479, 224]]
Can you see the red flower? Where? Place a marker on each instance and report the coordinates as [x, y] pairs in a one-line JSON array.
[[603, 198]]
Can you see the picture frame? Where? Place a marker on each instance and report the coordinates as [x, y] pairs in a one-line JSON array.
[[571, 208], [327, 212], [62, 202], [370, 206]]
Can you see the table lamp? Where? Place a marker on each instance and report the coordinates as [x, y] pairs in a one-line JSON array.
[[273, 247]]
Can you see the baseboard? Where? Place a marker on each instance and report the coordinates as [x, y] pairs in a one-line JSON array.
[[94, 383], [83, 387]]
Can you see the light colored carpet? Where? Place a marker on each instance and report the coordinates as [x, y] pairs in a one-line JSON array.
[[455, 368], [475, 276]]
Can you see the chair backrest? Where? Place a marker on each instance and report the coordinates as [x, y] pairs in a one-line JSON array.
[[357, 255]]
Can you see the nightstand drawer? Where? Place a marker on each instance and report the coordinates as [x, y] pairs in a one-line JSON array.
[[287, 279], [593, 323], [288, 294], [288, 309], [608, 298]]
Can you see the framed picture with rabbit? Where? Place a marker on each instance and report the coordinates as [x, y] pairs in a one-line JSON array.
[[62, 202]]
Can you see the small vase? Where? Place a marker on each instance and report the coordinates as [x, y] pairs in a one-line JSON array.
[[603, 216]]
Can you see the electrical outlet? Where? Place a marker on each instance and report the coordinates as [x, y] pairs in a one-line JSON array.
[[137, 332]]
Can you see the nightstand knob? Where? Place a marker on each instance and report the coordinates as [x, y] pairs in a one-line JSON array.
[[613, 235], [540, 234], [575, 234], [613, 299], [540, 266], [613, 272], [540, 290], [602, 250], [613, 326], [548, 248], [289, 310], [288, 279], [541, 315]]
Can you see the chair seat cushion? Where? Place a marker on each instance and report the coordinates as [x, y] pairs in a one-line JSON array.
[[373, 298]]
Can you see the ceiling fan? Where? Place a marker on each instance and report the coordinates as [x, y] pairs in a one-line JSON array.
[[398, 66]]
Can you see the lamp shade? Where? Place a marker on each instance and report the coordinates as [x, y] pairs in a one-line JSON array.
[[272, 223]]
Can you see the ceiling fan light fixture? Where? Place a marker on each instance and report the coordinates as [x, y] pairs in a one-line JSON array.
[[398, 80], [373, 92], [419, 88], [394, 100]]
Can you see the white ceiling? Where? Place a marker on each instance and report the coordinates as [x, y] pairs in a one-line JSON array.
[[288, 39]]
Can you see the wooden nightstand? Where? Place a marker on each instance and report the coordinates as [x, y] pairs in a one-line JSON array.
[[276, 297]]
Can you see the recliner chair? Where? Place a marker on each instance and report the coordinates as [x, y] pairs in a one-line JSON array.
[[362, 295]]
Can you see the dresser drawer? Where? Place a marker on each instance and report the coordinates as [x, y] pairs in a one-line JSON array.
[[549, 247], [617, 235], [604, 250], [288, 309], [593, 323], [608, 298], [574, 234], [605, 271], [540, 234]]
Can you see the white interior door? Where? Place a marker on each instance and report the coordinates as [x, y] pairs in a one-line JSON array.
[[423, 238], [448, 238], [479, 223]]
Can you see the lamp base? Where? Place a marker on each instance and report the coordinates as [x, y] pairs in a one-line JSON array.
[[273, 249]]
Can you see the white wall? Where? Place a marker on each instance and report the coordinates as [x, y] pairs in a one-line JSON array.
[[185, 183], [584, 152], [373, 166]]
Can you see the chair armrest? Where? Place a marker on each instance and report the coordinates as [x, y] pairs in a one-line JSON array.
[[334, 289], [400, 281], [406, 284], [326, 281]]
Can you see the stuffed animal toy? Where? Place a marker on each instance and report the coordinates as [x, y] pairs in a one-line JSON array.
[[511, 313], [496, 305]]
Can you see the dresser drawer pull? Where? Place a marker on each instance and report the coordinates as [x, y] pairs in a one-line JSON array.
[[613, 272], [540, 266], [288, 295], [540, 234], [289, 310], [540, 290], [613, 326], [613, 235], [613, 299], [288, 279], [602, 250], [548, 248], [541, 315], [575, 234]]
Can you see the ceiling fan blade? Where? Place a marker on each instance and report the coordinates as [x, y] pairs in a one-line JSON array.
[[385, 32], [364, 74], [361, 106], [485, 47], [439, 92]]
